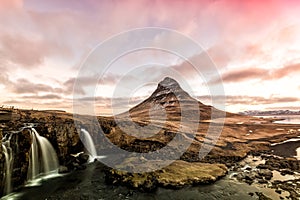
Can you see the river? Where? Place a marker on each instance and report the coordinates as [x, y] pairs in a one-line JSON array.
[[287, 119], [90, 184]]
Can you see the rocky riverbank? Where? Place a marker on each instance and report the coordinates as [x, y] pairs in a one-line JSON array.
[[269, 171]]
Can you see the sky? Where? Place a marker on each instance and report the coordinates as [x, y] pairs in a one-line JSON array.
[[253, 45]]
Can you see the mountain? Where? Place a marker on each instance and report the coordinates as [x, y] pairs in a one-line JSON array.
[[168, 101], [170, 111]]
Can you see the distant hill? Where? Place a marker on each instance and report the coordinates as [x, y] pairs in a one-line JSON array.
[[269, 113]]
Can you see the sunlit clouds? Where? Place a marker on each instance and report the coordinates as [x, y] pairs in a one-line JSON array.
[[255, 46]]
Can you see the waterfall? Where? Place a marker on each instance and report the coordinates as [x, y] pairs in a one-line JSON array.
[[88, 143], [43, 158], [7, 150]]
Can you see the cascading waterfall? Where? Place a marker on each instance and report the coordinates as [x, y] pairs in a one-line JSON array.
[[43, 158], [7, 150], [88, 143]]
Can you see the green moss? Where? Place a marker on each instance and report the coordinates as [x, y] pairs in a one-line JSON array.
[[177, 174]]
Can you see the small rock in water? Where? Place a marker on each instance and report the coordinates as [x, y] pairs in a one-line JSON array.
[[268, 174], [248, 168], [63, 169], [251, 194], [261, 196], [286, 171], [278, 191], [262, 181], [83, 158]]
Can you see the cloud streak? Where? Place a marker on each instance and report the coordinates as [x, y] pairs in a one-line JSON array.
[[250, 100], [241, 75]]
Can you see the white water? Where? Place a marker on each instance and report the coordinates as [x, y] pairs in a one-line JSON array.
[[288, 119], [298, 153], [8, 166], [88, 144], [286, 141], [291, 140], [43, 159]]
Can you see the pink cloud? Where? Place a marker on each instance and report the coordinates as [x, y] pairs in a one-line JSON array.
[[24, 51], [231, 30], [285, 71], [6, 5], [241, 75], [258, 73]]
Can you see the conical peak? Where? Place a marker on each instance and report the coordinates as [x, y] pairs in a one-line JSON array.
[[167, 86], [168, 82]]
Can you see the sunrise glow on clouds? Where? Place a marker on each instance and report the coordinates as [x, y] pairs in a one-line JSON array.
[[254, 44]]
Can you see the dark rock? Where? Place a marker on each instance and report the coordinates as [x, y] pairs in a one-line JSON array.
[[262, 181], [278, 191], [249, 182], [286, 171], [248, 168], [251, 194], [262, 166], [83, 158], [20, 143], [63, 169], [268, 174], [249, 178], [240, 176], [261, 196], [80, 167]]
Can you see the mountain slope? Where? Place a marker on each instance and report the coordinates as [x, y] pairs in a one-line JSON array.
[[168, 102]]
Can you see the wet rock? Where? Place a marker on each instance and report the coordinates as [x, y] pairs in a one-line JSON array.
[[63, 169], [262, 181], [80, 167], [249, 178], [83, 158], [19, 143], [262, 166], [288, 165], [248, 168], [291, 186], [278, 191], [77, 162], [240, 176], [286, 171], [261, 196], [267, 174], [249, 181]]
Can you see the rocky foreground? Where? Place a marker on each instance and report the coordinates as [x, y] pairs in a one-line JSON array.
[[240, 137]]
